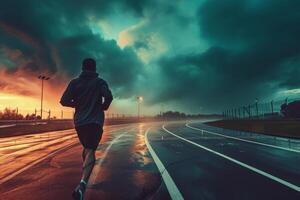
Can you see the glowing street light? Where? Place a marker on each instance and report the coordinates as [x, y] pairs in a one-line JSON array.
[[41, 77], [140, 98], [139, 101]]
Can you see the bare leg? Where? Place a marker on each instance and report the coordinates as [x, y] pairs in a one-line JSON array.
[[83, 154], [88, 164], [88, 156]]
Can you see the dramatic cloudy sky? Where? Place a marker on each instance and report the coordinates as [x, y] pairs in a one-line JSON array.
[[192, 56]]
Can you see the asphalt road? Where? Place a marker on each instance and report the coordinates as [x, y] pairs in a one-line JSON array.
[[171, 160]]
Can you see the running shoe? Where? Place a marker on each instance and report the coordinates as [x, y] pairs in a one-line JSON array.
[[79, 191]]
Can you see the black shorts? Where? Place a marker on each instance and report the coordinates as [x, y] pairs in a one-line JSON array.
[[89, 135]]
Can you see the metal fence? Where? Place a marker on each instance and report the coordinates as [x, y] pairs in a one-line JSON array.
[[267, 109], [32, 114]]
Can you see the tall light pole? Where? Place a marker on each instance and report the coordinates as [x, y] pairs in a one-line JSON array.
[[139, 101], [41, 77], [256, 105]]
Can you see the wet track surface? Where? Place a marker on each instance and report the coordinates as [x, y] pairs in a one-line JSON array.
[[153, 161], [214, 176], [21, 152]]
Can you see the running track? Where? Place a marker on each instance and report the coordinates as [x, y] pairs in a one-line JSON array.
[[172, 160]]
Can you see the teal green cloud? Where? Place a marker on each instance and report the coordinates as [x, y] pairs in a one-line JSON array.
[[186, 54]]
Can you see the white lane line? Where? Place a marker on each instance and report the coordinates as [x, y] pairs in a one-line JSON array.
[[8, 125], [34, 163], [42, 144], [171, 186], [44, 134], [12, 175], [96, 171], [244, 140], [34, 148], [274, 178], [113, 142]]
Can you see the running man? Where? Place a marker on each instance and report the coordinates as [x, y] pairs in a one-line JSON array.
[[90, 96]]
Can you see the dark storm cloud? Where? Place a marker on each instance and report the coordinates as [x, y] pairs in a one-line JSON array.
[[252, 47], [254, 51], [120, 67], [54, 36]]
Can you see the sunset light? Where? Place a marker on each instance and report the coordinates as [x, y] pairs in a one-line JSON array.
[[149, 99]]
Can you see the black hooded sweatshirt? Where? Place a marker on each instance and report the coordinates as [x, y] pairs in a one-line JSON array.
[[90, 96]]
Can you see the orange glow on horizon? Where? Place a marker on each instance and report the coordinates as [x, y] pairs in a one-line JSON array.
[[28, 105], [22, 90]]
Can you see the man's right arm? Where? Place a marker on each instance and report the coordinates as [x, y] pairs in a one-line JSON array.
[[67, 98], [106, 93]]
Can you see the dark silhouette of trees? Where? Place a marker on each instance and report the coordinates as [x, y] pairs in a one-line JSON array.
[[12, 114], [30, 117], [291, 110], [180, 115], [173, 114]]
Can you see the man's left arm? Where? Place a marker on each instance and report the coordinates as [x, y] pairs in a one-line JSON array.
[[67, 98], [106, 93]]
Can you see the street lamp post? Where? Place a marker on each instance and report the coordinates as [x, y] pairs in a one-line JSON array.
[[272, 107], [256, 105], [139, 101], [41, 77]]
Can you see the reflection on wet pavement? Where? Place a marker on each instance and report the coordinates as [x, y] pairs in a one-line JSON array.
[[128, 171]]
